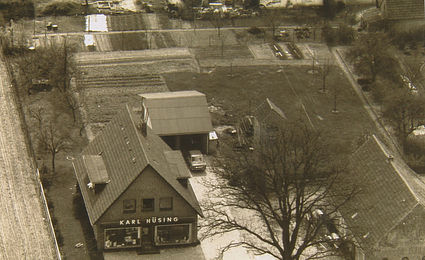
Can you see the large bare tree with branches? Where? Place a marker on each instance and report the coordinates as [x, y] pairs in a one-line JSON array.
[[283, 198]]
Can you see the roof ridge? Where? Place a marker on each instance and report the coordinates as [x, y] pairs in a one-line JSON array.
[[137, 134], [396, 169]]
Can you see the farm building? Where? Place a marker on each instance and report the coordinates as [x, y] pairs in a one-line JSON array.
[[403, 15], [387, 216], [262, 126], [136, 189], [181, 118]]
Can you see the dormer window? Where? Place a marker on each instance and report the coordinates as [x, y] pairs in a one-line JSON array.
[[96, 171]]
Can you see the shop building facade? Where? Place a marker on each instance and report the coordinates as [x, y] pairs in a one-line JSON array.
[[136, 189]]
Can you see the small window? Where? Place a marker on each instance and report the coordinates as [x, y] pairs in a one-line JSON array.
[[129, 206], [166, 203], [148, 204]]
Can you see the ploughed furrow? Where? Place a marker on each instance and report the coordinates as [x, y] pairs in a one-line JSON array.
[[111, 81], [24, 233]]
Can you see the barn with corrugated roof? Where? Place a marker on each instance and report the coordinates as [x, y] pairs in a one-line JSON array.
[[180, 118]]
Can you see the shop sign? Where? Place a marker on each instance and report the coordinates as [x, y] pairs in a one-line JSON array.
[[151, 220]]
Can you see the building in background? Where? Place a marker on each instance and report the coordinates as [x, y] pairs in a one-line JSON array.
[[180, 118]]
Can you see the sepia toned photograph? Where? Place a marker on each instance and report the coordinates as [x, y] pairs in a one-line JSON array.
[[212, 129]]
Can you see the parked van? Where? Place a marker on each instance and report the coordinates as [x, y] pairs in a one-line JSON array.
[[196, 161]]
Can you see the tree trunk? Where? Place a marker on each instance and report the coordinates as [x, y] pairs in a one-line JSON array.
[[53, 161]]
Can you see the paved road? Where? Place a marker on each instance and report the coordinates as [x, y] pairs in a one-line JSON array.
[[24, 232]]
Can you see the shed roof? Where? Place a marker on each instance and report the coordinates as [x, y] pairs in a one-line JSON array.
[[126, 152], [403, 9], [389, 191], [178, 113]]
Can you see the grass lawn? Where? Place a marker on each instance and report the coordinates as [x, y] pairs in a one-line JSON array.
[[61, 191], [292, 90]]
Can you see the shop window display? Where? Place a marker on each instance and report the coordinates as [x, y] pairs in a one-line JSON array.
[[122, 237], [172, 234]]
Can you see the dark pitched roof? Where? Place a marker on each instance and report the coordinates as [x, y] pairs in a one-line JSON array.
[[180, 112], [389, 191], [175, 158], [266, 109], [126, 153], [403, 9]]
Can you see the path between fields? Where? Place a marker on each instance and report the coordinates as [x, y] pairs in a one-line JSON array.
[[24, 231], [389, 140]]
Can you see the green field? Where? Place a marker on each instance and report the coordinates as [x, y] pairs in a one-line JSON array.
[[242, 89]]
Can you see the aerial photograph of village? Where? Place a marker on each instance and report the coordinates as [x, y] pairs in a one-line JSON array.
[[212, 129]]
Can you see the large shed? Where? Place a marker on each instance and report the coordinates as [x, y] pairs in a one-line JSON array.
[[181, 118]]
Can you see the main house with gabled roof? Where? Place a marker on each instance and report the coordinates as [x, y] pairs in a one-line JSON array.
[[135, 188], [181, 118], [387, 217]]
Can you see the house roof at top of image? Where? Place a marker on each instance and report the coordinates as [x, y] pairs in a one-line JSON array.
[[125, 153], [263, 111], [178, 113], [389, 191], [403, 9]]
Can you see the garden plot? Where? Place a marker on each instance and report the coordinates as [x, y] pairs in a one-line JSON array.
[[262, 51], [202, 38], [126, 22], [224, 52], [102, 103], [136, 62]]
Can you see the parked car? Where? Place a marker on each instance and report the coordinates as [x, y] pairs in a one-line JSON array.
[[196, 161]]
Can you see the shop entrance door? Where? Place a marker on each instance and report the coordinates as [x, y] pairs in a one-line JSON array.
[[148, 246]]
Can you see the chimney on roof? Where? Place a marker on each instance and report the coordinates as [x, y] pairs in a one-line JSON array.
[[144, 121]]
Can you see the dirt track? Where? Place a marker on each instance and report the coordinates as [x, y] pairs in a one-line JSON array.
[[24, 232]]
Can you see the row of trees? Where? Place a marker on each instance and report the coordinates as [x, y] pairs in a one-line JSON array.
[[401, 105], [48, 68]]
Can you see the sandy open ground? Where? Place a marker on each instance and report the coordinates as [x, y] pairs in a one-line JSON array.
[[24, 228]]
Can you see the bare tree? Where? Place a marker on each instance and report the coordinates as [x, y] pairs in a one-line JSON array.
[[273, 18], [404, 110], [370, 56], [282, 198], [73, 104], [53, 140], [325, 70], [218, 23]]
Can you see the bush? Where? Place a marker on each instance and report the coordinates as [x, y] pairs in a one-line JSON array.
[[255, 30], [16, 9], [62, 8], [344, 35]]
